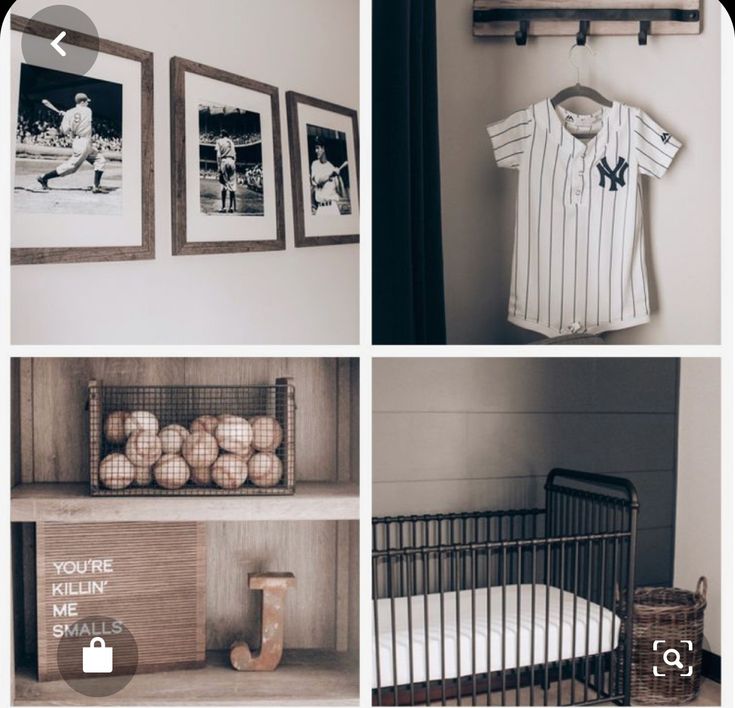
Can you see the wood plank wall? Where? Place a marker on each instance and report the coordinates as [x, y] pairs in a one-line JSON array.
[[14, 421], [322, 611], [55, 426], [467, 434]]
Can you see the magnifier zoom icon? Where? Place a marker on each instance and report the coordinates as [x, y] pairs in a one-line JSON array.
[[676, 661], [672, 657]]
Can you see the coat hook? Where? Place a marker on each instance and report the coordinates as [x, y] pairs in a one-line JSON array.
[[584, 28], [644, 32], [522, 33]]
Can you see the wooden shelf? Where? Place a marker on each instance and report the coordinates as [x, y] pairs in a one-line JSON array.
[[323, 501], [305, 677]]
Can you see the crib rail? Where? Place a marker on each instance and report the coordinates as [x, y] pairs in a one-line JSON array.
[[462, 575], [448, 529]]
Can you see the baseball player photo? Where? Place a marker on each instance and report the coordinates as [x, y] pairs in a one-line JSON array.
[[230, 161], [328, 172], [68, 156], [226, 169]]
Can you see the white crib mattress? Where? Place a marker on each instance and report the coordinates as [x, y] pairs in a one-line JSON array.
[[585, 639]]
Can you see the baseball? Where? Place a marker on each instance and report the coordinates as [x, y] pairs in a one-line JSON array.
[[116, 471], [115, 428], [265, 469], [200, 449], [172, 437], [204, 424], [267, 433], [234, 434], [224, 417], [141, 420], [229, 471], [201, 475], [143, 477], [143, 448], [171, 472], [248, 453]]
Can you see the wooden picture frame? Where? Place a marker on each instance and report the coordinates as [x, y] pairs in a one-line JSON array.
[[87, 254], [296, 148], [181, 242]]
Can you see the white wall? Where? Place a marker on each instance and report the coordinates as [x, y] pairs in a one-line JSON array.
[[305, 295], [698, 488], [676, 79]]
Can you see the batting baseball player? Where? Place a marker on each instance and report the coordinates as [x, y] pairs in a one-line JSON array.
[[325, 181], [226, 168], [77, 125], [579, 260]]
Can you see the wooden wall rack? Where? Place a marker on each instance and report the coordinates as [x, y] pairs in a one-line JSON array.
[[582, 18]]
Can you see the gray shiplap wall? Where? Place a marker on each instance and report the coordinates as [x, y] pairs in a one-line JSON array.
[[467, 434]]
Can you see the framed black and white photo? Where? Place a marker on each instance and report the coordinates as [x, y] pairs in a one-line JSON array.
[[226, 170], [83, 163], [324, 149]]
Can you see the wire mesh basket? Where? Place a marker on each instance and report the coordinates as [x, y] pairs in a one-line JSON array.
[[668, 628], [192, 440]]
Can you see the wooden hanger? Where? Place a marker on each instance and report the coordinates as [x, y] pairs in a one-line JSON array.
[[579, 90]]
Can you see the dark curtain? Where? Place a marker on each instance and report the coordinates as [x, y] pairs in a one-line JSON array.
[[408, 283]]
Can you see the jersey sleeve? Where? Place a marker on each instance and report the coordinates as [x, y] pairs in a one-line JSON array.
[[655, 147], [65, 123], [509, 138]]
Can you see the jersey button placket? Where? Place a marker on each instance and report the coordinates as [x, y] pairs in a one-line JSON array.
[[577, 179]]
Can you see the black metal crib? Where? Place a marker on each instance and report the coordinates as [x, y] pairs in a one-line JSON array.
[[517, 601]]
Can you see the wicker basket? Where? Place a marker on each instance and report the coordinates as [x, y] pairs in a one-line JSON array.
[[181, 405], [673, 619]]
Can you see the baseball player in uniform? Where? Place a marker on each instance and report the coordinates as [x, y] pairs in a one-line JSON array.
[[325, 182], [76, 124], [226, 168]]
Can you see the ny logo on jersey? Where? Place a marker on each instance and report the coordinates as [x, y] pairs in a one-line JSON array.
[[665, 137], [616, 176]]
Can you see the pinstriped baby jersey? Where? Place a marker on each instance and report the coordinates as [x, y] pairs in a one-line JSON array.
[[579, 262]]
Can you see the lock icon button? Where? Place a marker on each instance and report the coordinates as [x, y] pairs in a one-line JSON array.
[[97, 658]]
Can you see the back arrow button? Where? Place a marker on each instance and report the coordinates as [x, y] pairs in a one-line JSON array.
[[70, 41], [55, 44]]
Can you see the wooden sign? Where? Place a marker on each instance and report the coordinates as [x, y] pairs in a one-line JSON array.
[[146, 577]]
